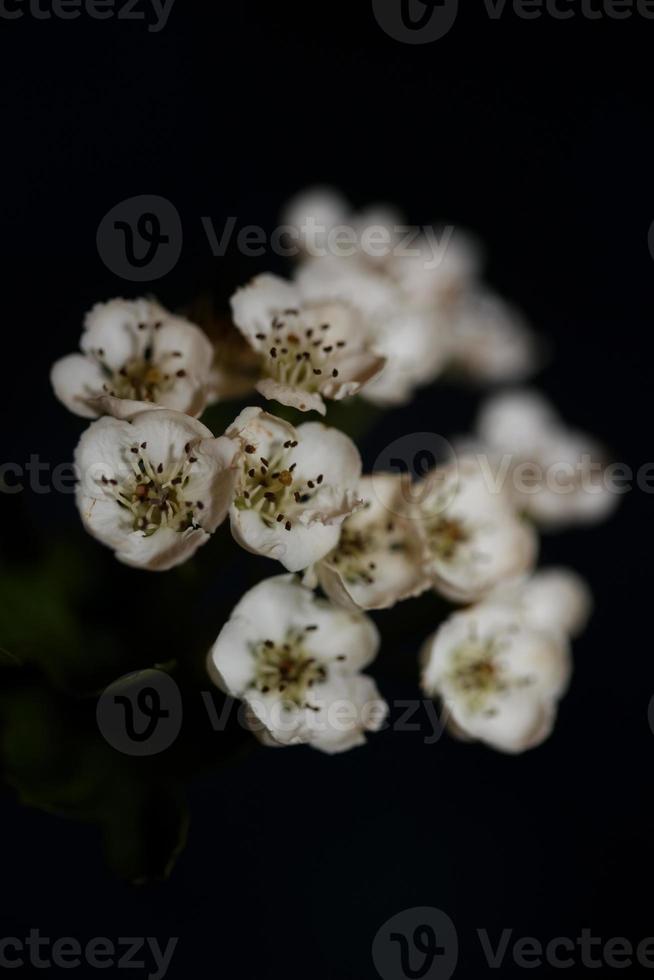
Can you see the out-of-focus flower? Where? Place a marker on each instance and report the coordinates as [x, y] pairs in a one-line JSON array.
[[155, 487], [377, 561], [555, 599], [295, 487], [413, 343], [308, 350], [136, 351], [472, 537], [295, 661], [490, 341], [556, 475], [499, 676], [325, 225], [436, 268]]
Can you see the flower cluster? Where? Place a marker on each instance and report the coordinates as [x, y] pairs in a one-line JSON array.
[[155, 483]]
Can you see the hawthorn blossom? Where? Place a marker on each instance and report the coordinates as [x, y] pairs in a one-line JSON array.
[[490, 341], [324, 224], [154, 487], [499, 676], [555, 599], [377, 561], [295, 661], [413, 343], [295, 487], [308, 350], [472, 537], [136, 351], [556, 475]]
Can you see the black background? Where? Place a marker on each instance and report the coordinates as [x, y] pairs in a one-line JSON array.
[[295, 859]]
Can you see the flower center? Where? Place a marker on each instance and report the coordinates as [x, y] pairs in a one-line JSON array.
[[300, 355], [352, 556], [477, 674], [288, 668], [446, 535], [155, 496], [269, 486], [141, 378]]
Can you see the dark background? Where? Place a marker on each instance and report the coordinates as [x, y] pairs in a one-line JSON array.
[[294, 859]]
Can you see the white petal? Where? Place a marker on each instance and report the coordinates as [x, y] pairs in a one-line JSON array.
[[304, 401], [114, 329], [295, 549], [76, 380], [161, 551], [557, 598], [254, 306], [515, 421]]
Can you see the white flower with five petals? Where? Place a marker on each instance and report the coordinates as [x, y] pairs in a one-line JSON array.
[[309, 350], [135, 351], [473, 539], [295, 487], [378, 559], [295, 661], [154, 487], [499, 676]]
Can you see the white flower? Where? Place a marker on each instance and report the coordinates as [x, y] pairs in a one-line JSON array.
[[473, 538], [436, 269], [556, 475], [295, 487], [490, 341], [135, 350], [413, 343], [555, 599], [377, 561], [309, 350], [295, 660], [499, 676], [324, 225], [153, 488]]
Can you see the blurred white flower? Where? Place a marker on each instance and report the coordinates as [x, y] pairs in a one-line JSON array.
[[295, 487], [377, 561], [436, 268], [490, 341], [556, 475], [499, 676], [295, 661], [473, 538], [326, 225], [137, 351], [309, 350], [413, 343], [555, 599], [153, 488]]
